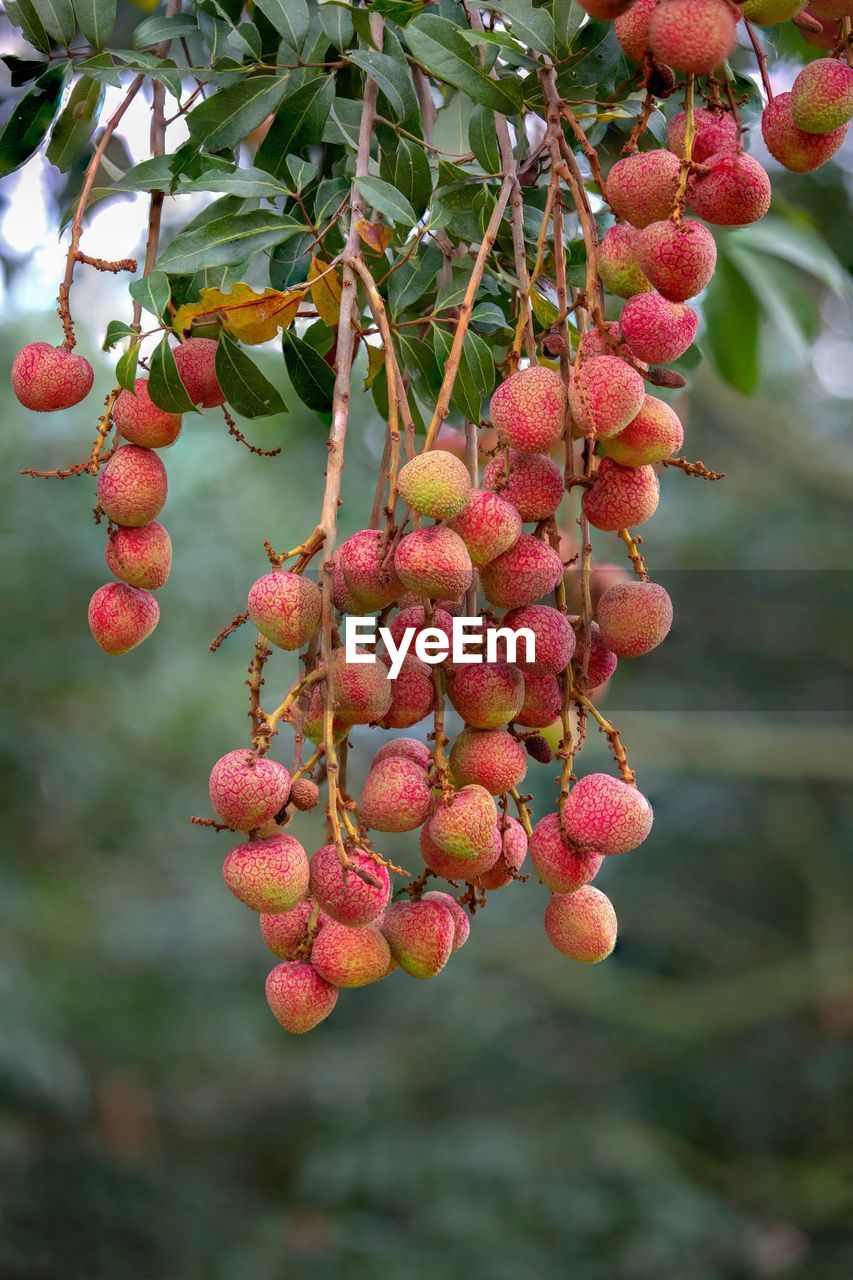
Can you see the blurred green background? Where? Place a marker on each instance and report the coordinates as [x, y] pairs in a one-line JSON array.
[[681, 1111]]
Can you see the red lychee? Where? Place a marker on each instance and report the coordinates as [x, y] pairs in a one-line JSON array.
[[543, 702], [488, 526], [656, 329], [452, 868], [433, 562], [285, 607], [435, 484], [605, 393], [607, 815], [641, 186], [362, 691], [196, 361], [604, 10], [413, 616], [489, 758], [654, 434], [534, 484], [487, 695], [621, 497], [794, 147], [553, 635], [602, 661], [463, 826], [121, 617], [141, 422], [47, 378], [522, 575], [511, 843], [368, 569], [268, 875], [351, 957], [343, 894], [285, 932], [679, 261], [529, 410], [461, 923], [412, 693], [822, 96], [632, 28], [420, 934], [132, 487], [634, 617], [298, 997], [559, 865], [617, 262], [582, 924], [248, 790], [716, 132], [692, 35], [732, 192], [603, 342], [141, 556], [396, 796], [408, 749]]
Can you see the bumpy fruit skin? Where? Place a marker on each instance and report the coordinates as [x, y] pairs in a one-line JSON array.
[[141, 422], [692, 35], [621, 497], [345, 896], [641, 187], [304, 794], [605, 393], [452, 868], [582, 925], [132, 487], [121, 617], [298, 997], [831, 9], [634, 617], [534, 485], [196, 361], [768, 12], [511, 844], [604, 10], [285, 931], [487, 695], [362, 690], [46, 378], [349, 957], [141, 557], [529, 410], [679, 261], [558, 864], [617, 262], [461, 923], [413, 616], [285, 607], [488, 526], [342, 597], [716, 132], [412, 693], [656, 433], [733, 192], [420, 935], [463, 827], [656, 329], [433, 562], [632, 28], [435, 484], [822, 96], [521, 575], [489, 758], [247, 791], [602, 661], [407, 749], [396, 796], [797, 150], [268, 875], [552, 631], [607, 815], [543, 702], [368, 571], [598, 342]]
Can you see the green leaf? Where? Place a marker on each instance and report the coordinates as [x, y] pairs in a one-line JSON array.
[[436, 43], [336, 21], [299, 123], [500, 42], [568, 17], [477, 355], [343, 123], [31, 118], [149, 175], [246, 389], [230, 115], [419, 359], [392, 78], [781, 294], [58, 19], [303, 172], [289, 17], [406, 168], [798, 245], [488, 316], [126, 367], [73, 127], [387, 200], [23, 14], [227, 240], [312, 379], [116, 331], [96, 19], [483, 141], [534, 27], [290, 261], [466, 395], [152, 293], [158, 28], [248, 182], [733, 317], [409, 283], [164, 382]]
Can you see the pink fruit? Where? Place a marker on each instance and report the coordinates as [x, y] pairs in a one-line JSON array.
[[543, 702], [621, 497], [286, 932], [435, 484], [558, 864], [413, 616], [408, 749], [606, 814], [511, 843], [617, 264], [141, 422], [604, 342], [793, 147], [602, 661], [412, 693], [679, 261], [734, 190], [461, 923], [553, 636], [350, 957], [47, 378], [452, 868], [196, 361], [529, 410], [368, 569], [489, 758], [534, 485], [298, 997], [656, 433], [361, 690], [487, 695], [822, 96], [268, 875], [716, 132], [634, 617], [632, 28], [433, 562], [396, 796], [605, 393], [641, 187], [523, 574], [132, 486], [656, 329], [121, 617], [692, 35], [285, 607], [463, 826], [421, 936], [344, 894], [248, 790], [582, 924], [604, 10], [488, 526], [141, 556]]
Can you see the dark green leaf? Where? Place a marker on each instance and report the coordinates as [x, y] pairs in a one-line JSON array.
[[75, 123], [289, 17], [411, 282], [290, 261], [58, 19], [22, 70], [482, 139], [116, 331], [733, 317], [387, 200], [343, 123], [126, 367], [164, 382], [477, 356], [419, 359], [500, 43], [436, 44], [247, 181], [568, 16], [24, 14], [31, 119], [246, 389], [311, 378], [406, 168], [228, 240], [337, 24], [96, 19], [152, 293], [230, 115], [392, 79], [158, 28], [303, 172], [534, 27], [298, 123]]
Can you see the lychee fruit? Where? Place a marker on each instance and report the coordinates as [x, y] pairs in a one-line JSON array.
[[522, 575], [46, 378], [605, 393], [679, 261], [407, 749], [641, 187], [769, 12], [604, 10], [121, 617], [248, 790], [285, 932], [617, 262], [732, 191], [298, 997], [132, 487], [268, 875], [822, 96], [602, 661], [487, 695], [433, 562], [621, 497], [582, 924], [607, 815], [343, 894], [141, 557], [342, 598], [533, 484], [196, 361], [396, 796], [304, 794], [140, 421], [692, 35], [559, 865], [412, 693], [368, 569], [543, 702], [414, 616], [634, 617], [450, 867], [488, 526], [461, 923], [793, 147], [421, 935], [529, 410], [656, 433], [632, 28], [603, 342], [656, 329], [464, 825], [831, 9], [553, 635], [350, 957], [489, 758], [716, 132], [435, 484], [285, 607], [512, 845], [362, 691]]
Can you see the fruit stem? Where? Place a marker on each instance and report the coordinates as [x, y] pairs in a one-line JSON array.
[[634, 553], [687, 157], [626, 772], [761, 59]]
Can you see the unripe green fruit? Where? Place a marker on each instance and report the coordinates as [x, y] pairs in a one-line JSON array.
[[351, 957], [582, 925], [489, 758], [487, 695], [656, 433], [767, 13], [286, 932], [434, 562], [522, 575], [657, 330], [196, 361], [621, 497], [141, 557], [46, 378], [461, 923], [132, 487], [298, 997], [797, 150], [421, 936], [605, 393], [559, 865], [285, 607], [617, 262], [734, 190], [634, 617], [534, 485], [408, 749], [716, 132], [435, 484], [692, 35], [529, 410], [121, 617], [368, 569], [269, 875], [396, 796], [412, 693], [511, 843], [641, 187], [822, 96], [607, 815], [141, 422], [343, 894], [679, 261], [488, 526], [463, 826], [248, 790]]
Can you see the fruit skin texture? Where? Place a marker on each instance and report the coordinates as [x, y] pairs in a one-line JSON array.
[[464, 826], [304, 794], [604, 10], [529, 409], [634, 617], [641, 187], [769, 12], [132, 487], [433, 562], [716, 132], [350, 957], [268, 875], [298, 997], [247, 791], [46, 378], [488, 526], [822, 96], [345, 896], [597, 343], [617, 262], [489, 758], [436, 484], [543, 702], [396, 796], [692, 35], [632, 28], [452, 868], [605, 393], [285, 607], [487, 695], [534, 486], [407, 749], [679, 261], [141, 557], [413, 616], [285, 931], [654, 434], [607, 815], [523, 574], [558, 864], [196, 361], [412, 693], [555, 639], [420, 935], [121, 617], [656, 329], [582, 924], [602, 661], [362, 690], [797, 150], [372, 583], [734, 192], [512, 850], [621, 497], [141, 422], [461, 923]]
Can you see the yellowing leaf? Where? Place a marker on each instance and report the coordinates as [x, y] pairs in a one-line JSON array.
[[248, 316], [325, 292], [375, 234], [375, 364], [543, 309]]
